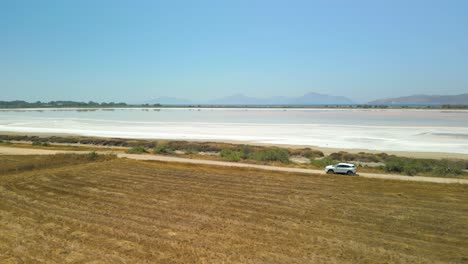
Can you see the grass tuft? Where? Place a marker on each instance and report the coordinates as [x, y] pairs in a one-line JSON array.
[[137, 150]]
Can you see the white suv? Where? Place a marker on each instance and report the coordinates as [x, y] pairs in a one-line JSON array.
[[342, 168]]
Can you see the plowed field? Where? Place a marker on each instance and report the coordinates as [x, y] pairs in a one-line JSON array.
[[128, 211]]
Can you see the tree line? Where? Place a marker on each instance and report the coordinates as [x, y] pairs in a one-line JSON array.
[[63, 104]]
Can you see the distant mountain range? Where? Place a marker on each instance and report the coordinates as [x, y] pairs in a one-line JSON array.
[[316, 99], [240, 99], [165, 100], [422, 99]]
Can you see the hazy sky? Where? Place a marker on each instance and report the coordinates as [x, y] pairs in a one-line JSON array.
[[137, 50]]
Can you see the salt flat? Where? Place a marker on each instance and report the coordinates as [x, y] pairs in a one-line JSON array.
[[382, 130]]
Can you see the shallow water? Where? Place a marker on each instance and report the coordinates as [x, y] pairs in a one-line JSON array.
[[399, 130]]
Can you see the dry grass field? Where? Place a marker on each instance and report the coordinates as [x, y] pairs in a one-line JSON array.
[[128, 211]]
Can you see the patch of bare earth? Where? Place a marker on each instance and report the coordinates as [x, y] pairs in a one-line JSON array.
[[299, 160]]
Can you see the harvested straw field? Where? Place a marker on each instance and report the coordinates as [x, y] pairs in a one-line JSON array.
[[110, 210]]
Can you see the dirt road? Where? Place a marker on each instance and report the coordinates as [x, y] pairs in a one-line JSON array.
[[25, 151]]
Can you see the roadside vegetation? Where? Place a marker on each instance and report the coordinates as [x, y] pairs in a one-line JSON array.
[[383, 162], [41, 144], [250, 153], [366, 162], [361, 156], [412, 167], [323, 162]]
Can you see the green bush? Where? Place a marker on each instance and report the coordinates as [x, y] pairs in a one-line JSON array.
[[137, 150], [307, 153], [41, 144], [245, 151], [394, 164], [92, 155], [271, 154], [412, 169], [191, 152], [162, 148], [231, 155], [323, 162], [409, 166], [447, 167]]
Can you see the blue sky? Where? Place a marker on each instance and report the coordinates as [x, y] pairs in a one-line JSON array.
[[138, 50]]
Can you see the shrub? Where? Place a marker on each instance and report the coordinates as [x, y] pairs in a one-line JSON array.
[[41, 144], [92, 155], [271, 154], [394, 164], [322, 163], [412, 169], [151, 144], [312, 154], [137, 150], [361, 156], [231, 155], [245, 151], [307, 153], [447, 167], [409, 166], [382, 156], [161, 148], [191, 151], [198, 146]]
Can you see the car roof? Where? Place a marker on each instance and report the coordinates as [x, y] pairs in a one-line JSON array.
[[348, 164]]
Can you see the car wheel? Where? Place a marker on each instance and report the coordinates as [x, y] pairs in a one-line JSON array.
[[330, 172], [350, 173]]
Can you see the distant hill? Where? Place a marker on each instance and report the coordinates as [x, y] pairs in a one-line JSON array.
[[165, 100], [316, 98], [236, 99], [423, 99], [307, 99]]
